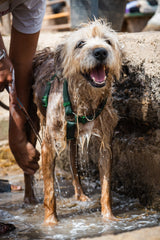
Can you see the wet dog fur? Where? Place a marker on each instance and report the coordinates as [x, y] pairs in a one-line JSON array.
[[89, 58]]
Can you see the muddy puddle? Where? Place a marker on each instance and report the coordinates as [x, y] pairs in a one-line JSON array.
[[76, 219]]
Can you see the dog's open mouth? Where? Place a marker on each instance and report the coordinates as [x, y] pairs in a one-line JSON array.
[[97, 76]]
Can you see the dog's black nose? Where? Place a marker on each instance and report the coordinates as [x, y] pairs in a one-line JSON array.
[[100, 53]]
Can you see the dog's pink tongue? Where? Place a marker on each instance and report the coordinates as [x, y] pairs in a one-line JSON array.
[[98, 74]]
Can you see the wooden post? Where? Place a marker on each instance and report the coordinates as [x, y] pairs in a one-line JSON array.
[[82, 10], [94, 9]]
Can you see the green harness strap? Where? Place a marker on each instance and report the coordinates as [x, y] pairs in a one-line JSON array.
[[66, 99], [47, 91], [71, 125]]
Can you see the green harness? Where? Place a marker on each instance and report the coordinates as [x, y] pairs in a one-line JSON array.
[[71, 125]]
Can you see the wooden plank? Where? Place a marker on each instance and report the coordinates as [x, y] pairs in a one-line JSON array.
[[57, 27], [51, 16], [54, 2], [94, 9], [56, 15]]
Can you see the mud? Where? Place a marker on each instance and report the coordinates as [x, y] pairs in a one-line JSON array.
[[136, 145]]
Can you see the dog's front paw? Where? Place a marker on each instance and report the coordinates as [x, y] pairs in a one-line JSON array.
[[82, 198], [50, 221], [109, 216]]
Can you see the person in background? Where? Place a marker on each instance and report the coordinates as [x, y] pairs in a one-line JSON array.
[[5, 186], [146, 6], [141, 6], [27, 16], [154, 23]]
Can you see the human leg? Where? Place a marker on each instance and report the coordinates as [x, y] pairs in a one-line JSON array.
[[22, 50]]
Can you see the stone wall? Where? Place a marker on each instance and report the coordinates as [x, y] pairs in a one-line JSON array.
[[136, 145]]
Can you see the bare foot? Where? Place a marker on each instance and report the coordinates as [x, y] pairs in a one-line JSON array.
[[50, 221], [110, 217], [15, 188], [82, 198], [30, 200]]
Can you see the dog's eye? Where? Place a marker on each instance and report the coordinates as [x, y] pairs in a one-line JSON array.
[[108, 42], [80, 44]]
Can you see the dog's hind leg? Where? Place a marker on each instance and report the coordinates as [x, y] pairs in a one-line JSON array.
[[48, 166], [79, 195], [105, 178]]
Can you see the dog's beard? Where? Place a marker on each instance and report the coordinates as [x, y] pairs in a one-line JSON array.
[[97, 76]]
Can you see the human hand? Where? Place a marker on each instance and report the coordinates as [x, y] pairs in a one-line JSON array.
[[28, 160], [5, 72]]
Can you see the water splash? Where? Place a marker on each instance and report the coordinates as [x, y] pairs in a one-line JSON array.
[[76, 219]]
